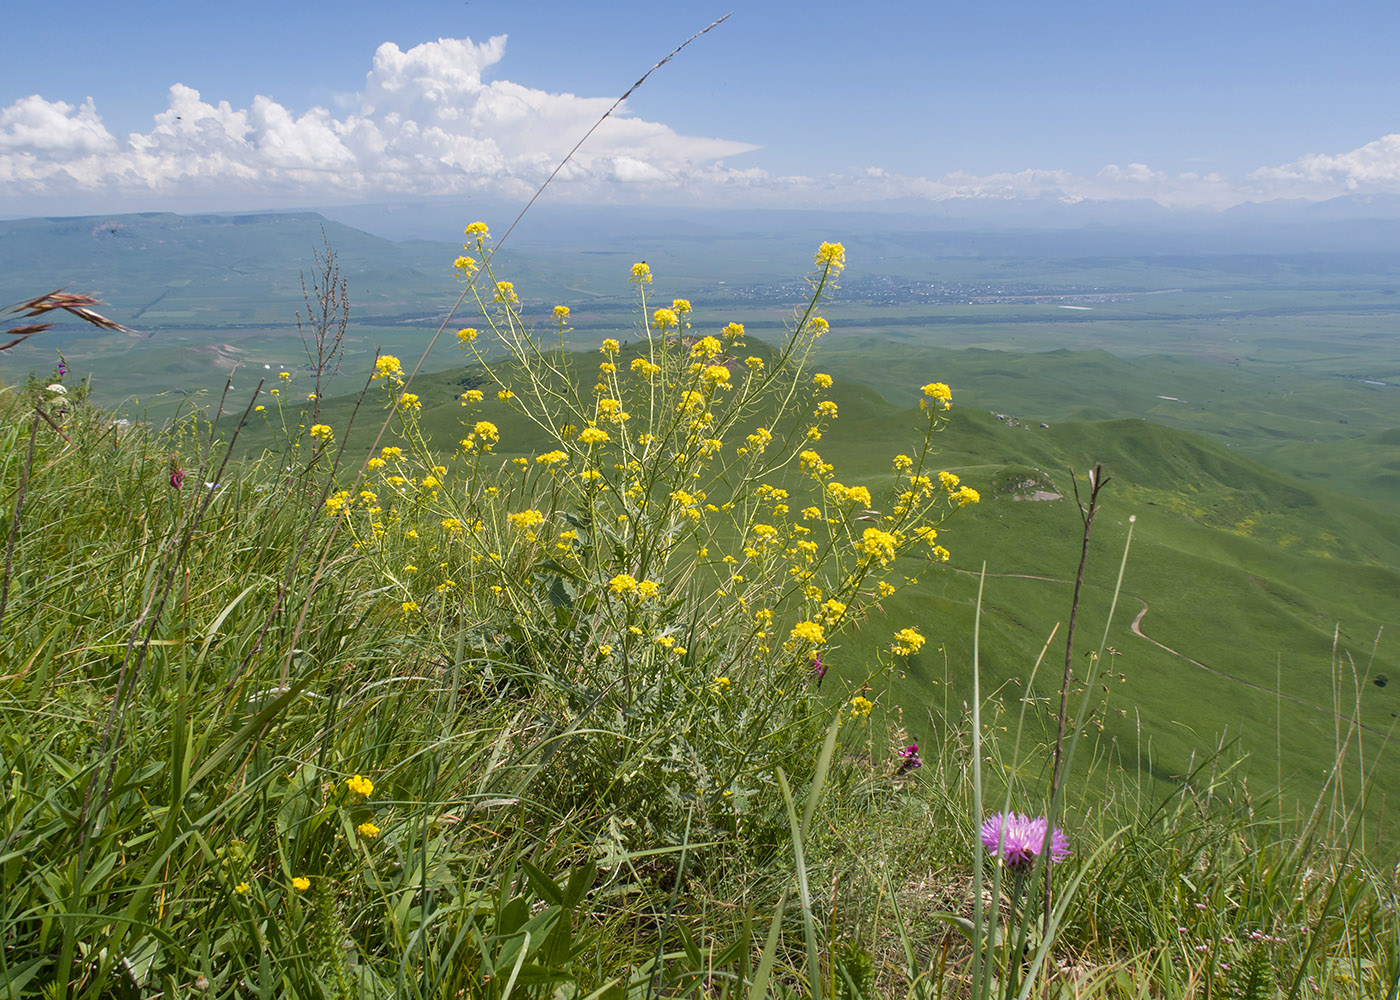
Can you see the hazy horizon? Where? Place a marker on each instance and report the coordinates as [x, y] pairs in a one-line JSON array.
[[986, 112]]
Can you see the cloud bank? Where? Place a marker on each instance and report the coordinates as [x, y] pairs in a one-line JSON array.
[[428, 124]]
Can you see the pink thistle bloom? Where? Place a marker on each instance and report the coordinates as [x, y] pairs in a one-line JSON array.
[[1019, 839]]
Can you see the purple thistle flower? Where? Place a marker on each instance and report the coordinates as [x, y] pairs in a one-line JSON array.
[[1019, 839]]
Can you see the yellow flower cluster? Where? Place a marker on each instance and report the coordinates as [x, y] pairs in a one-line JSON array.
[[561, 313], [505, 293], [623, 583], [879, 545], [641, 274], [831, 257], [611, 411], [360, 785], [525, 519], [337, 502], [466, 335], [939, 394], [387, 366], [487, 431], [808, 632], [860, 707], [664, 319], [593, 435], [715, 376], [321, 432], [907, 642], [707, 347], [848, 496]]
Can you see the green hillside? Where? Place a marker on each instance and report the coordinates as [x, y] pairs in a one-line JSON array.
[[1240, 568], [662, 671]]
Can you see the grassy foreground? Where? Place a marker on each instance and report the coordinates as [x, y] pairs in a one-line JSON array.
[[561, 727]]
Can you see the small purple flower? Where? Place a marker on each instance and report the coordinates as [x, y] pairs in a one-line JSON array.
[[818, 669], [909, 758], [177, 476], [62, 369], [1019, 839]]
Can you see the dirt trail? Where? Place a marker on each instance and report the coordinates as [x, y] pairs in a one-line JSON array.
[[1137, 631]]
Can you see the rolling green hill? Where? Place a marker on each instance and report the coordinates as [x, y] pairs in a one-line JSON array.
[[1238, 579]]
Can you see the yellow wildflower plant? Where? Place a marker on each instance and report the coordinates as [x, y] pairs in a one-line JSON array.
[[641, 489]]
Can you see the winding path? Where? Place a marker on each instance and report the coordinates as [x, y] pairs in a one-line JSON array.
[[1137, 631]]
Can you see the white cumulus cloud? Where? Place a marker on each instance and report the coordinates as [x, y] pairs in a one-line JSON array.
[[428, 121]]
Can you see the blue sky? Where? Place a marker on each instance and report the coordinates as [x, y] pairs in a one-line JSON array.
[[1192, 105]]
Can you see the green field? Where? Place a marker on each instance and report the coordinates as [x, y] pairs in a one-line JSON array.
[[1244, 405]]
